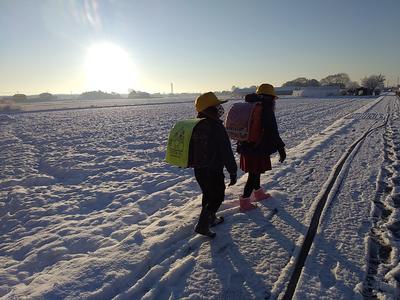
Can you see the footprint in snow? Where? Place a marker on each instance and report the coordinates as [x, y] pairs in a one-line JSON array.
[[162, 223], [223, 249], [396, 200], [235, 287], [395, 229], [258, 232], [297, 202]]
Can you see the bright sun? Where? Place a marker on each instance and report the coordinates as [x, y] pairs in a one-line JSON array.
[[109, 68]]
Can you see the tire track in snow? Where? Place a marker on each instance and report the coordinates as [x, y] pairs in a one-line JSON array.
[[333, 181], [382, 253]]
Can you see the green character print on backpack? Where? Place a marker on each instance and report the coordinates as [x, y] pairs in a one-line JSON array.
[[179, 142]]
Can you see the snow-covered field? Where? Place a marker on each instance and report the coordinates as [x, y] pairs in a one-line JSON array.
[[90, 210], [66, 104]]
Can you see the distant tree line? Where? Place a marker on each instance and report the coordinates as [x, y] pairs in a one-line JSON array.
[[47, 96], [94, 95], [22, 97], [138, 94], [341, 80], [369, 84], [302, 82]]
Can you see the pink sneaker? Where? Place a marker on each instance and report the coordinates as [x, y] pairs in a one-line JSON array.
[[259, 195], [245, 204]]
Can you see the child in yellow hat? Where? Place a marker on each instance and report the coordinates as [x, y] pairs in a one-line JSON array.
[[211, 176], [255, 157]]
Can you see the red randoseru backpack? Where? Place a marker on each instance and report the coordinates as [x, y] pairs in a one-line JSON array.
[[244, 122]]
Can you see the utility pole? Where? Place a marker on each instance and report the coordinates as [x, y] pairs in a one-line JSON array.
[[172, 88]]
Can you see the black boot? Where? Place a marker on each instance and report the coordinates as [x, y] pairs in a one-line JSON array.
[[214, 220], [203, 225]]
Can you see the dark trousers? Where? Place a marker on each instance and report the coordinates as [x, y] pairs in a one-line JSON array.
[[253, 183], [212, 185]]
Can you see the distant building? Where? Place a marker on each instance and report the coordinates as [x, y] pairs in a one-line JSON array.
[[318, 91], [240, 93], [285, 90], [362, 91]]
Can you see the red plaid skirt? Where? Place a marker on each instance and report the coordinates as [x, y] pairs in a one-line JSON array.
[[255, 163]]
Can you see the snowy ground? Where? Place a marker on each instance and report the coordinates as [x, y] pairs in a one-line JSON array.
[[89, 209]]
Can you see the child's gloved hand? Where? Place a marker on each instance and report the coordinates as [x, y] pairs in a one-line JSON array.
[[282, 155], [233, 179]]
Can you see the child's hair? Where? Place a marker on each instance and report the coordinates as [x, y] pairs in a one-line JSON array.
[[253, 97], [211, 112], [262, 98], [273, 103]]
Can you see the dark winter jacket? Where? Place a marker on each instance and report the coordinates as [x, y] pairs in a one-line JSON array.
[[271, 141], [220, 150]]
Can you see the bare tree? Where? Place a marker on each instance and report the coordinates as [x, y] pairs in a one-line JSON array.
[[373, 82]]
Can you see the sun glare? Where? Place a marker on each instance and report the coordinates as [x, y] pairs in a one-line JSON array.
[[109, 68]]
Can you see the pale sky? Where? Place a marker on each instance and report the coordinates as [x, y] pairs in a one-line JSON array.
[[63, 46]]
